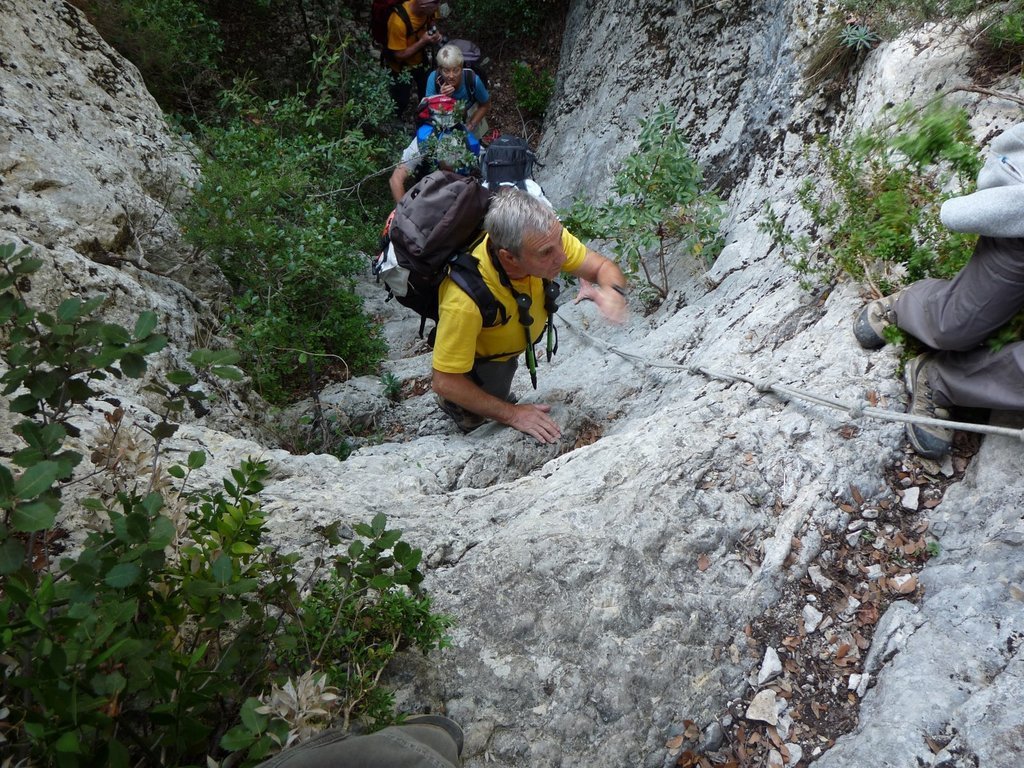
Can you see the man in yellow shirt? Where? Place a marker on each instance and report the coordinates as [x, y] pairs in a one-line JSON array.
[[525, 246], [410, 29]]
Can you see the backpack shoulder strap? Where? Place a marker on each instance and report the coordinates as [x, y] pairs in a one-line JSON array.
[[399, 8], [464, 270], [469, 80]]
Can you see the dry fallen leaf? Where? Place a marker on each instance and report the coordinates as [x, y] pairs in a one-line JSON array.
[[675, 742], [903, 584], [703, 563], [855, 492]]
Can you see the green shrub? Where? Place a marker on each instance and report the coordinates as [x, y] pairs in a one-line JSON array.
[[879, 222], [532, 89], [140, 645], [282, 211], [172, 42], [839, 49], [1003, 33], [657, 202], [492, 22]]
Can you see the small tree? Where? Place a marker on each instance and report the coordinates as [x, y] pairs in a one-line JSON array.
[[658, 202]]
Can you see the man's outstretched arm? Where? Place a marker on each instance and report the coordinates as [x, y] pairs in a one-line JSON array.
[[610, 285], [531, 419]]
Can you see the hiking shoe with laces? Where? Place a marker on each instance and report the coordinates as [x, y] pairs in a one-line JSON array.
[[932, 442], [453, 729], [872, 321]]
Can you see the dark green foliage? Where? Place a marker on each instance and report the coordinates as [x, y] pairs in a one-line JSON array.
[[370, 607], [140, 645], [174, 43], [280, 212], [657, 201], [1002, 37], [532, 88], [491, 22]]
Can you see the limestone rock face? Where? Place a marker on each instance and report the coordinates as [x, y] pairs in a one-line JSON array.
[[88, 163], [91, 179], [602, 585]]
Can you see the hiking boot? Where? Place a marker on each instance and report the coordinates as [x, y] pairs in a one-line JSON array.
[[465, 420], [453, 729], [872, 321], [932, 442]]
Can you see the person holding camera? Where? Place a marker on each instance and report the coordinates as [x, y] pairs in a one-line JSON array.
[[411, 29], [453, 78]]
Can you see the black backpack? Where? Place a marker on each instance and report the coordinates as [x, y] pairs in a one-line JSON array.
[[507, 160], [429, 236]]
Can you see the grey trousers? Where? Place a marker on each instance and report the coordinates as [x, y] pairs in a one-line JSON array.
[[400, 746], [955, 316], [492, 376]]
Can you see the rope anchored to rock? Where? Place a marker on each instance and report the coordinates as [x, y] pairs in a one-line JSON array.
[[855, 411]]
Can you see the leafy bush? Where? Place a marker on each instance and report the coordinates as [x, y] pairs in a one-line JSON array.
[[1003, 35], [172, 42], [491, 22], [532, 89], [880, 220], [657, 201], [281, 212], [138, 646]]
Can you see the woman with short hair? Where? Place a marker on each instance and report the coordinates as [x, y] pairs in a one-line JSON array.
[[453, 78]]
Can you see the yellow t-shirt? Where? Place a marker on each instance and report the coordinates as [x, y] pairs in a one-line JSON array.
[[399, 40], [461, 337]]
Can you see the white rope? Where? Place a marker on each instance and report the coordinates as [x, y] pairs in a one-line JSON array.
[[855, 410]]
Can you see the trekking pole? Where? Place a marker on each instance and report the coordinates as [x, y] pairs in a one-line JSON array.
[[524, 302]]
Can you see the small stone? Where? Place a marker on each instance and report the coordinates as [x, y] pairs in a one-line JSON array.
[[856, 525], [869, 514], [712, 737], [911, 498], [785, 722], [852, 539], [775, 759], [796, 754], [947, 466], [818, 579], [875, 572], [862, 687], [762, 708], [852, 606], [770, 666], [812, 618], [853, 682]]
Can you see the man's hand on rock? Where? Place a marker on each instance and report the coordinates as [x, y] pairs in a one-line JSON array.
[[532, 419]]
